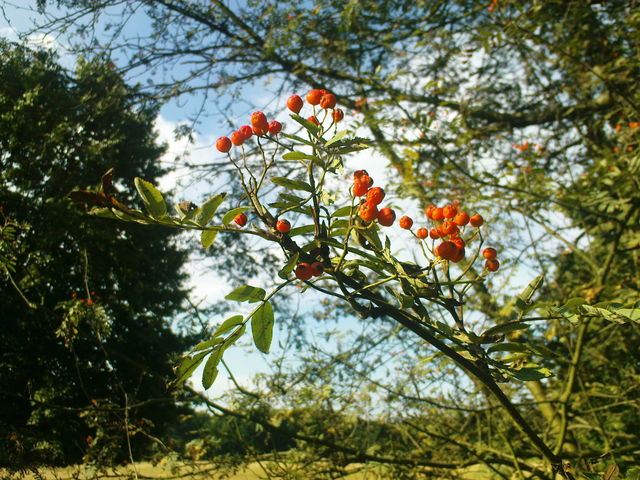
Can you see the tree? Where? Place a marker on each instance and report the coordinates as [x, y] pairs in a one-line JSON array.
[[527, 109], [87, 343]]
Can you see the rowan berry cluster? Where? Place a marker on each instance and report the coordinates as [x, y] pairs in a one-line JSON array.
[[368, 211], [259, 127]]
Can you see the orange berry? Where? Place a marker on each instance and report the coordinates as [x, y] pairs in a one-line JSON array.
[[240, 219], [492, 265], [476, 220], [405, 222], [275, 127], [368, 212], [294, 103], [429, 210], [313, 120], [461, 219], [246, 131], [359, 189], [363, 177], [422, 233], [259, 123], [386, 217], [303, 271], [434, 233], [223, 144], [490, 253], [634, 124], [437, 214], [89, 302], [337, 115], [458, 242], [449, 211], [328, 101], [283, 226], [375, 195], [448, 228], [445, 250], [314, 96], [317, 269], [237, 138]]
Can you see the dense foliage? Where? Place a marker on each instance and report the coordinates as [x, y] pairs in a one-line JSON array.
[[86, 344]]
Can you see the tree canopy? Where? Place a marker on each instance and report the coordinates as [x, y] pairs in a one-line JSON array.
[[87, 305]]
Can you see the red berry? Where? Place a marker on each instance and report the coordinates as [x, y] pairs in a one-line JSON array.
[[259, 123], [314, 96], [461, 219], [246, 131], [458, 254], [359, 173], [405, 222], [386, 217], [375, 195], [476, 220], [445, 250], [328, 101], [368, 212], [359, 189], [303, 271], [448, 228], [240, 219], [337, 115], [490, 253], [237, 138], [283, 226], [294, 103], [458, 242], [313, 120], [449, 211], [223, 144], [429, 210], [275, 127], [492, 265], [437, 214], [317, 269], [434, 233], [422, 233]]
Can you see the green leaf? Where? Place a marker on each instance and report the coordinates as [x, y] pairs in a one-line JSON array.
[[529, 374], [336, 138], [299, 156], [528, 292], [207, 210], [210, 371], [103, 212], [508, 347], [247, 293], [343, 212], [297, 139], [310, 127], [228, 325], [506, 328], [231, 214], [292, 184], [208, 343], [262, 327], [151, 197], [288, 268], [302, 230], [207, 237], [188, 365]]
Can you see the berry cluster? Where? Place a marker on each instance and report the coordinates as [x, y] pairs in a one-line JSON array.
[[260, 126], [368, 211]]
